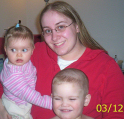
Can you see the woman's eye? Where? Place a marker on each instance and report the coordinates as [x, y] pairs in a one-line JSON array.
[[61, 27], [24, 50], [48, 31], [13, 50]]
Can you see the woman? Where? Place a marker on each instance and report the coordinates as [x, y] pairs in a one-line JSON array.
[[69, 45]]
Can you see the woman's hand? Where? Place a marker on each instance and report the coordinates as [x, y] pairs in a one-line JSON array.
[[3, 112]]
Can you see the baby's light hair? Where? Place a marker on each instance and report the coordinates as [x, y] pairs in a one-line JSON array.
[[15, 33], [72, 75]]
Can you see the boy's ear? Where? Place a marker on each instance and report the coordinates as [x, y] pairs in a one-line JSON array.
[[87, 99]]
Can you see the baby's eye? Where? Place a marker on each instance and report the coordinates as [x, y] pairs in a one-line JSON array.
[[13, 50], [24, 50]]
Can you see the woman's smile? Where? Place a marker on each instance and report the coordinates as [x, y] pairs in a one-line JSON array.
[[60, 43]]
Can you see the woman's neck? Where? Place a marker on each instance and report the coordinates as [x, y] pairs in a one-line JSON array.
[[75, 54]]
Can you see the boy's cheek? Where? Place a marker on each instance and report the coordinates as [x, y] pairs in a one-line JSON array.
[[56, 104]]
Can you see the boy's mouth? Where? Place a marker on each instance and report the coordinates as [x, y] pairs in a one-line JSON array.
[[65, 110]]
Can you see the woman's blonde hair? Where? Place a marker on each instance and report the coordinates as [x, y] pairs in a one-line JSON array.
[[70, 12], [22, 32]]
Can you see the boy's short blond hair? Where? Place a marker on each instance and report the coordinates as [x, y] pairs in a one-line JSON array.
[[72, 75], [22, 32]]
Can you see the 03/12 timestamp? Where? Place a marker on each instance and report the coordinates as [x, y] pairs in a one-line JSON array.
[[107, 108]]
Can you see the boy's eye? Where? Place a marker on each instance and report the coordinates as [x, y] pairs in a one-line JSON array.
[[56, 98], [72, 99], [24, 50], [13, 50]]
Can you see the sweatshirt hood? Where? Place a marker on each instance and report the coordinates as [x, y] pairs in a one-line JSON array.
[[89, 54]]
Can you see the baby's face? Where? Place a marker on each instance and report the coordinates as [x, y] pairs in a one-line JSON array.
[[68, 100], [19, 51]]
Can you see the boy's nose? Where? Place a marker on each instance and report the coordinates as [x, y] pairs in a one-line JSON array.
[[65, 103]]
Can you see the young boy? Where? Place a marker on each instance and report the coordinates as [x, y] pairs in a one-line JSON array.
[[18, 76], [70, 94]]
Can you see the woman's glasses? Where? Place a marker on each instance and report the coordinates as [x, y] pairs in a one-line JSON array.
[[58, 29]]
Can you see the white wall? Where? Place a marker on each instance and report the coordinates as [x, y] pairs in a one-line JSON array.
[[104, 19], [10, 12]]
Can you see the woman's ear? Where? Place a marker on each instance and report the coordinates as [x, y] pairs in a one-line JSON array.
[[77, 28], [87, 99]]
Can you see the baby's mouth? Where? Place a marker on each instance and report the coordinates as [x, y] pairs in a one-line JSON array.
[[19, 60]]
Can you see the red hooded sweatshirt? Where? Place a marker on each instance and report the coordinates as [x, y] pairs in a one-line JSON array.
[[106, 82]]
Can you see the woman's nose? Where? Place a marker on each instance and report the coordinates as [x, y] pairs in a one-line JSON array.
[[55, 35]]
